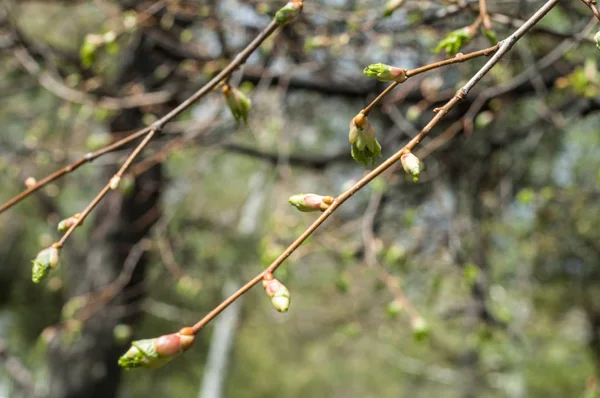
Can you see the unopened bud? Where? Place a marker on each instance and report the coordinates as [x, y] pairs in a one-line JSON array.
[[67, 223], [597, 39], [394, 308], [239, 104], [391, 6], [30, 182], [114, 182], [45, 261], [364, 146], [289, 12], [420, 328], [455, 40], [279, 294], [307, 202], [386, 73], [154, 353], [411, 164]]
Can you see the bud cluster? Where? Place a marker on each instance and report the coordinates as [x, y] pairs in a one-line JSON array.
[[365, 147]]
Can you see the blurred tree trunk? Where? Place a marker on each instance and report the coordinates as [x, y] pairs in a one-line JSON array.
[[88, 366]]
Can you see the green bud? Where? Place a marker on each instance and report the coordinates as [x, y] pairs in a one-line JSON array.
[[420, 329], [491, 36], [364, 146], [279, 294], [239, 104], [67, 223], [307, 202], [289, 12], [385, 73], [454, 41], [411, 164], [45, 261], [156, 352], [393, 309], [88, 49]]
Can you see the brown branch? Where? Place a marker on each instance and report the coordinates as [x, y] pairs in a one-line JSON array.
[[90, 156], [483, 13], [149, 131], [592, 6], [61, 90], [503, 48]]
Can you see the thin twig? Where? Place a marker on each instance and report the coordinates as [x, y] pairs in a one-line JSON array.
[[504, 47], [61, 90], [93, 155], [485, 17], [435, 65], [159, 124], [88, 157], [592, 6]]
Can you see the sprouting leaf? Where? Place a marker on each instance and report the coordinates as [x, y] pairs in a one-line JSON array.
[[454, 41]]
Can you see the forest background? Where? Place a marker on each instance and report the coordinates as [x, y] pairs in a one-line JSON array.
[[478, 280]]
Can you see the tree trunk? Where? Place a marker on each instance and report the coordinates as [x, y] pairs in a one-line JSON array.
[[87, 367]]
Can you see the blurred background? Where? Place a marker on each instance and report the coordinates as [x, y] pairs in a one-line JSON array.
[[479, 280]]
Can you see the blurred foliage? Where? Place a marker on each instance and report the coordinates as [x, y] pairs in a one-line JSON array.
[[497, 247]]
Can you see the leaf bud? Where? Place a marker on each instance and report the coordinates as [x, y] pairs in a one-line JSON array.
[[289, 12], [277, 292], [45, 261], [364, 145], [412, 165], [156, 352], [30, 182], [67, 223], [239, 104], [114, 182], [386, 73], [420, 328], [454, 41], [310, 202]]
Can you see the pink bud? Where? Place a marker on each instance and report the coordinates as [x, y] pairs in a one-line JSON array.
[[173, 344]]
